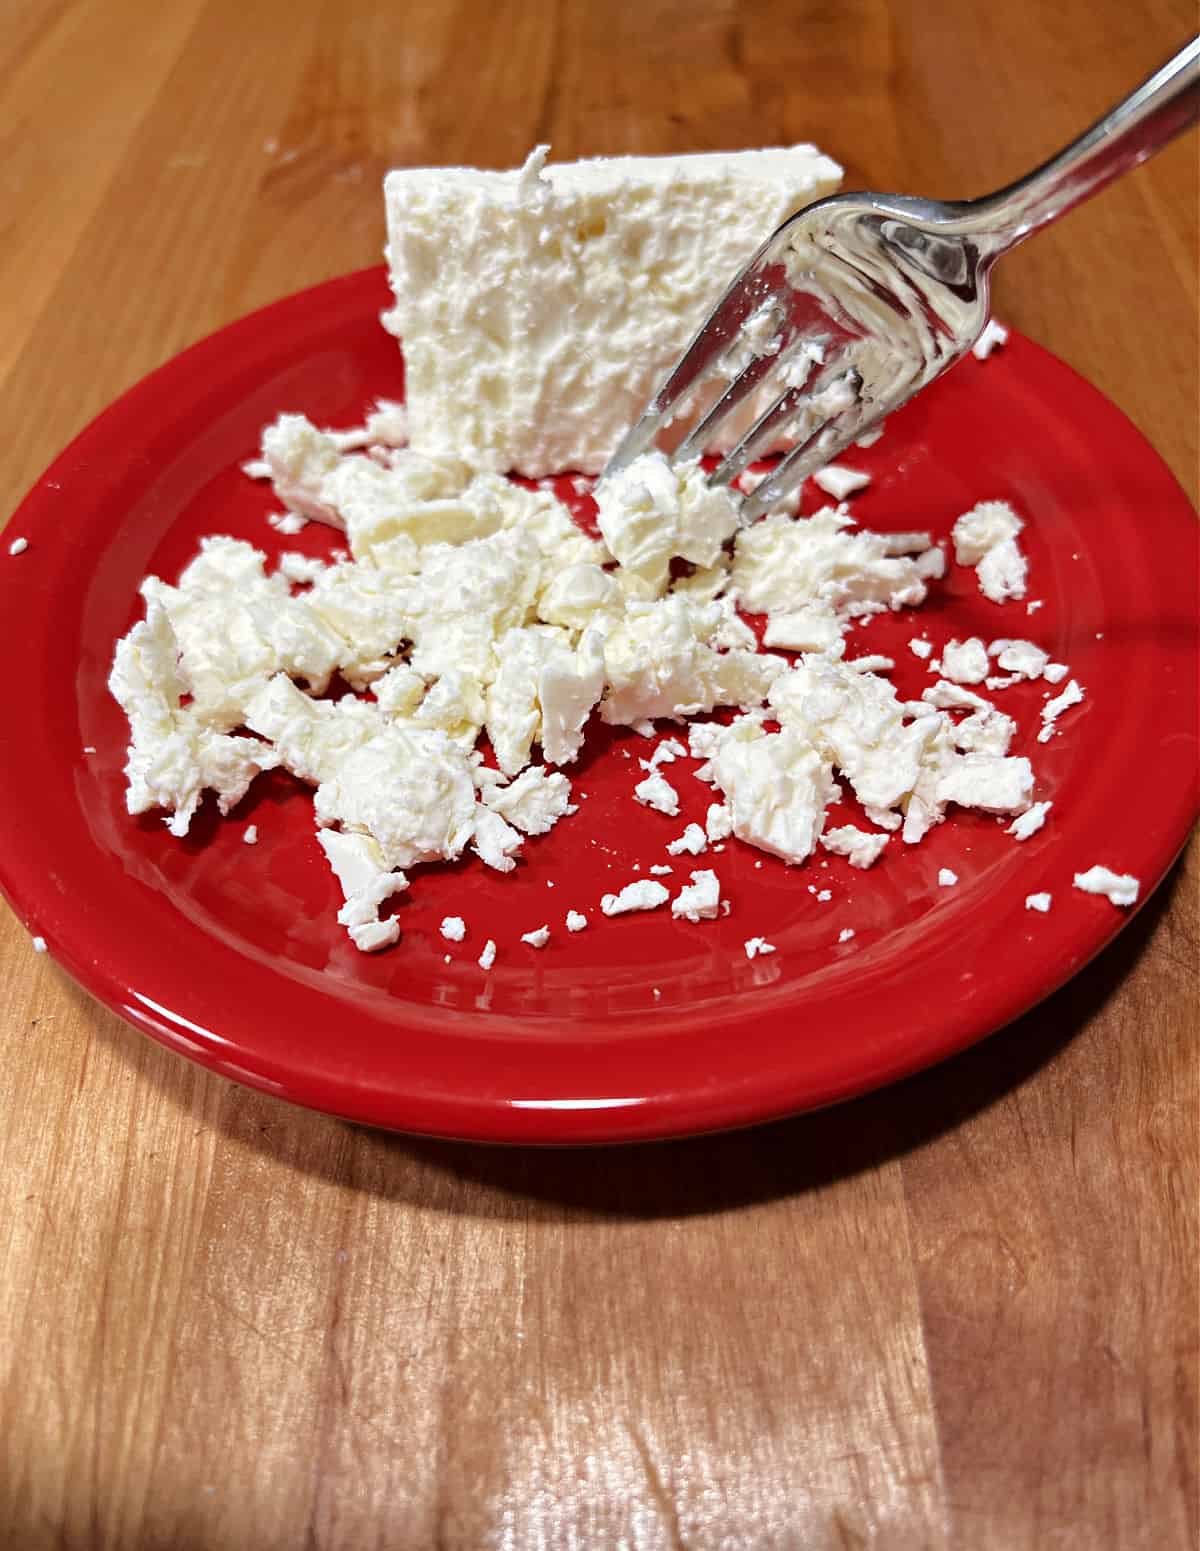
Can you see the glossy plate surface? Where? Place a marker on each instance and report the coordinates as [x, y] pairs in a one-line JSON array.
[[640, 1026]]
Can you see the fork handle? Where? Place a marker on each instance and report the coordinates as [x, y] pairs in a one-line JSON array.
[[1161, 108]]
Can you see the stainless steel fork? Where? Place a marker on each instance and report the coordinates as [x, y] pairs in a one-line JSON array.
[[860, 300]]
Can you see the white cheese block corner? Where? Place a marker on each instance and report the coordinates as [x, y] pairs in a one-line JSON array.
[[539, 308]]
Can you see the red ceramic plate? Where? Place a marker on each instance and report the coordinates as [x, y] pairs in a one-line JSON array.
[[640, 1026]]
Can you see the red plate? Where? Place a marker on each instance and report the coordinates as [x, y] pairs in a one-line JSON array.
[[640, 1026]]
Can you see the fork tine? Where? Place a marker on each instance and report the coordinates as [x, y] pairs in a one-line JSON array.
[[822, 444], [744, 384], [764, 430], [747, 291]]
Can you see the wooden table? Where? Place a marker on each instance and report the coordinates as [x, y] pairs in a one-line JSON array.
[[961, 1313]]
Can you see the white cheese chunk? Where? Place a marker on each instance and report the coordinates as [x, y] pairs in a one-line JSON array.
[[642, 894], [1038, 902], [1029, 822], [946, 878], [653, 511], [859, 846], [453, 928], [574, 286], [837, 480], [965, 662], [982, 528], [576, 921], [692, 842], [538, 938], [1120, 888], [657, 792], [777, 787], [699, 900], [488, 957], [755, 946], [994, 334], [534, 802]]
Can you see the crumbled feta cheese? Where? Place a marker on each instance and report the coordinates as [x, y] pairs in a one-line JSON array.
[[537, 938], [837, 480], [495, 842], [965, 662], [755, 946], [946, 878], [642, 894], [453, 928], [250, 835], [846, 934], [1002, 572], [576, 921], [534, 802], [1029, 822], [777, 787], [861, 847], [653, 511], [657, 792], [1120, 888], [488, 957], [919, 648], [718, 821], [660, 870], [1038, 902], [1022, 658], [1055, 672], [1053, 709], [613, 261], [994, 334], [699, 900], [982, 528], [39, 944], [692, 841], [18, 546]]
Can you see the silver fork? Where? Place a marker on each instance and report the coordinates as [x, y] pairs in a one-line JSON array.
[[860, 300]]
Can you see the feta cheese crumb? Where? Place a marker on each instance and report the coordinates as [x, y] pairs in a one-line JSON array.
[[1053, 709], [699, 900], [986, 538], [657, 792], [839, 481], [488, 957], [453, 928], [642, 894], [1055, 672], [576, 921], [755, 946], [824, 896], [965, 662], [660, 871], [39, 944], [994, 335], [1038, 902], [1120, 888], [1034, 604], [946, 878], [860, 846], [718, 821], [18, 546], [250, 835], [920, 648], [846, 934], [537, 938], [693, 841], [1022, 658], [1029, 822]]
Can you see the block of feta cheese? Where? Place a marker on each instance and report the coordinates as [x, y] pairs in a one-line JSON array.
[[538, 308]]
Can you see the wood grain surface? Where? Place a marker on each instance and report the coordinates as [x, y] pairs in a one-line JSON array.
[[960, 1313]]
